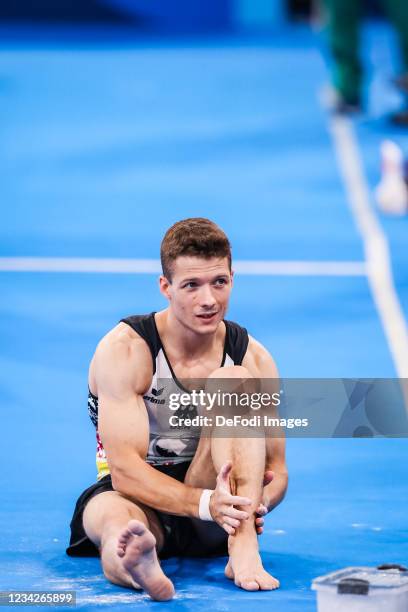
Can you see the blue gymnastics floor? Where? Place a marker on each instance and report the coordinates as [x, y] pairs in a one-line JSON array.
[[104, 145]]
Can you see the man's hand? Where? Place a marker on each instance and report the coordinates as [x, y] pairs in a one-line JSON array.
[[275, 485], [222, 502]]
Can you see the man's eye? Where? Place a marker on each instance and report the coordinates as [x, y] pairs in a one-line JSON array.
[[190, 285], [221, 281]]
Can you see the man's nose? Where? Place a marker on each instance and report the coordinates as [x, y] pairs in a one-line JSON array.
[[207, 299]]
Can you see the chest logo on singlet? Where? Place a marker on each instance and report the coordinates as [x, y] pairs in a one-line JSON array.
[[154, 400]]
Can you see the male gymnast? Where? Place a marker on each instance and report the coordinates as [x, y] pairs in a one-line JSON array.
[[160, 493]]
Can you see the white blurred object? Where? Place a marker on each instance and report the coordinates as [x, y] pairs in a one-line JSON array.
[[363, 589], [392, 191]]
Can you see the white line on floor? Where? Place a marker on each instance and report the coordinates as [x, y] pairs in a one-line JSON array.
[[376, 248], [152, 266]]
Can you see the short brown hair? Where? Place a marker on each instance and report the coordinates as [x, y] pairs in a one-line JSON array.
[[196, 236]]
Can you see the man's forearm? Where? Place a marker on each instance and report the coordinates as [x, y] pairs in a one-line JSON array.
[[151, 487]]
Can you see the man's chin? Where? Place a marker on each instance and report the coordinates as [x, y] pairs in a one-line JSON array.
[[203, 326]]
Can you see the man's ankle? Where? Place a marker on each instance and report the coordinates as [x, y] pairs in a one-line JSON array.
[[247, 539]]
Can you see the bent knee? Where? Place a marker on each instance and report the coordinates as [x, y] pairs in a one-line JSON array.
[[106, 511], [235, 371]]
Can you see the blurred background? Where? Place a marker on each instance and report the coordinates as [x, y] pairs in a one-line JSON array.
[[158, 16], [119, 118]]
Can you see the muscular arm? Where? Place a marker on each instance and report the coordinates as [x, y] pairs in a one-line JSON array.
[[122, 371], [261, 365]]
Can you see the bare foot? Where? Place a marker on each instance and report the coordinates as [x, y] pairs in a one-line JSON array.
[[246, 570], [137, 549]]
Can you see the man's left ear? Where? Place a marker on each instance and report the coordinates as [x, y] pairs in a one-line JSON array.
[[164, 285]]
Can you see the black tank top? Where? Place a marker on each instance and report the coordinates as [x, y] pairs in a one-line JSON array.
[[167, 446]]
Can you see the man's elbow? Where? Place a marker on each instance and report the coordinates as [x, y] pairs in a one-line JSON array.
[[126, 479]]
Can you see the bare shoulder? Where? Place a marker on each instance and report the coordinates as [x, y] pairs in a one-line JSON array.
[[122, 363], [259, 361]]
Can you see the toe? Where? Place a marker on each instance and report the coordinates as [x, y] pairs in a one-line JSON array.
[[249, 584], [136, 527], [268, 583], [228, 571], [123, 538]]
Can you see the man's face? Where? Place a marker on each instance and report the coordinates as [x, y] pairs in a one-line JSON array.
[[199, 292]]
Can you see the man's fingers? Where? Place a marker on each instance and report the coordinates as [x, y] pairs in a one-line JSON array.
[[262, 510], [230, 530], [236, 514], [259, 525], [236, 500], [228, 520]]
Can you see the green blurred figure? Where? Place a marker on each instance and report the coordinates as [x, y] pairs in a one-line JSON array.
[[343, 24]]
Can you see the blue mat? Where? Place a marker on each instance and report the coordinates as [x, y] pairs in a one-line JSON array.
[[103, 148]]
